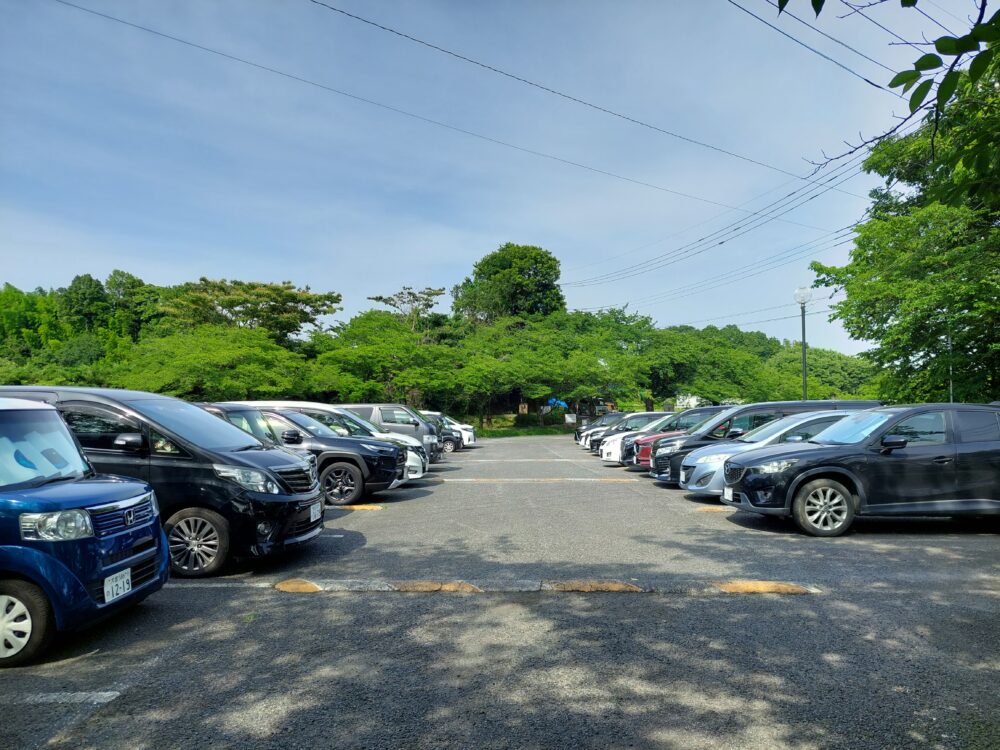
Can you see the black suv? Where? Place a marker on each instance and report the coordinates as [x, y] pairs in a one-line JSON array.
[[668, 453], [223, 493], [934, 459], [348, 467]]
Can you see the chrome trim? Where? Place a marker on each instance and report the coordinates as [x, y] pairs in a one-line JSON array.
[[307, 536], [121, 505]]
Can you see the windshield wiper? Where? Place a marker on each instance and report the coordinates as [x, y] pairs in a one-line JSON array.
[[251, 447], [60, 478]]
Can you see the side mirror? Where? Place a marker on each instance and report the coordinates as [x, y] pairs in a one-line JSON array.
[[341, 431], [415, 422], [733, 434], [892, 443], [291, 437], [129, 441], [793, 439]]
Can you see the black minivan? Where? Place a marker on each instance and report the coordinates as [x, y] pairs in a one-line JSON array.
[[222, 492], [668, 453]]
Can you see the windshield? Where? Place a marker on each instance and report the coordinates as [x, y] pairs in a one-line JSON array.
[[194, 424], [767, 430], [852, 429], [355, 426], [656, 424], [35, 448], [252, 421], [310, 425]]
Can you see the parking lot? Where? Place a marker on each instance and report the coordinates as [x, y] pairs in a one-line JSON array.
[[895, 642]]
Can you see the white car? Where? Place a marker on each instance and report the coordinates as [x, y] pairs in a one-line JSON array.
[[467, 430], [351, 425]]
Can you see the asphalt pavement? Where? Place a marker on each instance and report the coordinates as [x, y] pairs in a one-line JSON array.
[[897, 643]]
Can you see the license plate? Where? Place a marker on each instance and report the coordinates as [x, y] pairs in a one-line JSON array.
[[315, 511], [684, 476], [727, 494], [118, 585]]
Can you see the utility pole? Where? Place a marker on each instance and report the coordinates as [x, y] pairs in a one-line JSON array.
[[802, 296]]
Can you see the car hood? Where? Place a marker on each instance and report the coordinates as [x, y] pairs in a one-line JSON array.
[[730, 447], [352, 444], [97, 490], [268, 458], [396, 438], [782, 450], [645, 439]]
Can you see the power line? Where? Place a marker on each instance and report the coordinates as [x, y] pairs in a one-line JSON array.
[[798, 41], [720, 236], [831, 38], [555, 92], [933, 20], [947, 12], [397, 110], [861, 12]]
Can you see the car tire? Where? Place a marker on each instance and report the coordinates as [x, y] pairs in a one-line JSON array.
[[198, 542], [823, 507], [26, 622], [342, 483], [449, 446]]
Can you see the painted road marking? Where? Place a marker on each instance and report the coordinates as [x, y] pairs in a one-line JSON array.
[[715, 509], [515, 460], [297, 586], [545, 480], [580, 586], [363, 506], [98, 698]]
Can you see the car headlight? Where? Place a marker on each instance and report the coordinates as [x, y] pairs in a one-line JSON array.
[[60, 526], [153, 502], [249, 479], [627, 441], [376, 448], [428, 439], [714, 458], [775, 467], [668, 448]]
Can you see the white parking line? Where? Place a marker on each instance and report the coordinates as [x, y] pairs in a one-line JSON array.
[[99, 698]]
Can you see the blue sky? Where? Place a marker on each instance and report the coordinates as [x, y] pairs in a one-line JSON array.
[[120, 149]]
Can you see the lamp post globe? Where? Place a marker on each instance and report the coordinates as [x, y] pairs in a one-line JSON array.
[[803, 295]]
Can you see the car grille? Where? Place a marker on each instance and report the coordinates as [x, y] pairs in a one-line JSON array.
[[733, 473], [662, 464], [136, 549], [108, 522], [299, 480], [142, 573], [301, 524]]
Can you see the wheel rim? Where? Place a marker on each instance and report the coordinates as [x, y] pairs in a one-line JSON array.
[[826, 509], [15, 626], [339, 485], [449, 446], [194, 544]]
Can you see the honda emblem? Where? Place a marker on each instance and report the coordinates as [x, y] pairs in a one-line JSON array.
[[129, 517]]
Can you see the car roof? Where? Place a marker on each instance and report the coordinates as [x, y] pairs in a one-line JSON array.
[[61, 393], [22, 404]]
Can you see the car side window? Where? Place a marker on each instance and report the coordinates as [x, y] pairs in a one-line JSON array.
[[808, 430], [162, 445], [279, 424], [395, 416], [747, 421], [923, 429], [977, 426], [96, 428]]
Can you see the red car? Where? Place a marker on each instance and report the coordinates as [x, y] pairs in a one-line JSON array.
[[644, 446]]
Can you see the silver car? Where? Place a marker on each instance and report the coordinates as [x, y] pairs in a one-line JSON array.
[[701, 471]]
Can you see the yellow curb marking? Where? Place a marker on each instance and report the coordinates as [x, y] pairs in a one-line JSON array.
[[460, 587], [714, 509], [594, 586], [759, 587], [356, 507], [427, 587], [298, 586]]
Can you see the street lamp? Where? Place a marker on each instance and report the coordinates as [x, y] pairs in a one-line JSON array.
[[802, 295]]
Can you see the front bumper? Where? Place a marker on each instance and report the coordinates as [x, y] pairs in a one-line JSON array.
[[702, 479], [611, 452], [661, 469]]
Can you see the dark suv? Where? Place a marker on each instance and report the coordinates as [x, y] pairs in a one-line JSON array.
[[668, 453], [223, 493], [929, 460], [349, 467]]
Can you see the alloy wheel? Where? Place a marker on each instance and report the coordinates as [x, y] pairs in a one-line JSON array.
[[15, 626], [338, 485], [194, 544], [449, 446], [826, 508]]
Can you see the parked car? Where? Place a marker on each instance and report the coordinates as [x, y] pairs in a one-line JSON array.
[[223, 493], [599, 423], [348, 467], [467, 431], [928, 460], [630, 423], [404, 420], [668, 453], [348, 424], [75, 546], [451, 437], [701, 470], [641, 450], [612, 443]]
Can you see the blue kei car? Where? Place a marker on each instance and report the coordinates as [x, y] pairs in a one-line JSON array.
[[75, 546]]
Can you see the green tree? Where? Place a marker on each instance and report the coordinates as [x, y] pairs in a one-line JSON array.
[[85, 303], [412, 305], [513, 280]]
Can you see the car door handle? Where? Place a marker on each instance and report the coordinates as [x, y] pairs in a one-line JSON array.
[[943, 460]]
